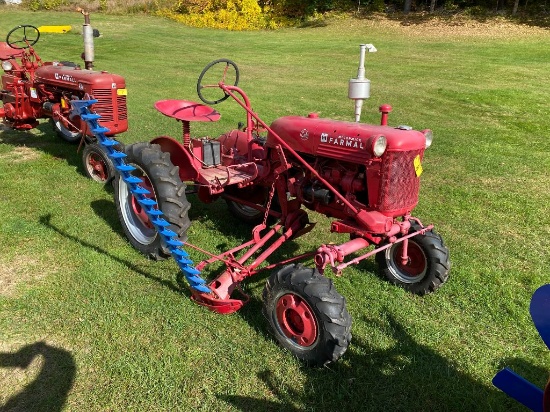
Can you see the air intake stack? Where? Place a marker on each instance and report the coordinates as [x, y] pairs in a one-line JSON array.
[[359, 88]]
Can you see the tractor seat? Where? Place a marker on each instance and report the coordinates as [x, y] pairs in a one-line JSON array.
[[187, 111], [6, 52]]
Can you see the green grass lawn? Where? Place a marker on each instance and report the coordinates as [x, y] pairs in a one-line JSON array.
[[120, 332]]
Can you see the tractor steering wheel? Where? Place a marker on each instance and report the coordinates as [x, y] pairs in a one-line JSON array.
[[221, 72], [27, 41]]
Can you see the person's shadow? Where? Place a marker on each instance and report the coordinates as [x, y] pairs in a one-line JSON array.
[[49, 390]]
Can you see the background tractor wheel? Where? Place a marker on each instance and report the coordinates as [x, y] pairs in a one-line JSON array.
[[427, 268], [97, 164], [70, 135], [162, 179], [307, 315]]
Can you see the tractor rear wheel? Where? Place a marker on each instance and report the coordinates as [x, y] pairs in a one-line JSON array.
[[248, 214], [245, 213], [307, 315], [161, 178], [97, 164], [427, 267]]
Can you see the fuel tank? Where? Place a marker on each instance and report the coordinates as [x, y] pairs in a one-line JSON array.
[[78, 79], [346, 141]]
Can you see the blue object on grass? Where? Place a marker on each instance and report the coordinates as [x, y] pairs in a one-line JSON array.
[[513, 384]]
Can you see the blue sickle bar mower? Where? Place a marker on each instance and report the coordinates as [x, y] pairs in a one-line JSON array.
[[192, 275]]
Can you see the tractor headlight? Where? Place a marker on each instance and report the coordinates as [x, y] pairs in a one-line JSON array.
[[379, 145], [7, 66], [428, 134]]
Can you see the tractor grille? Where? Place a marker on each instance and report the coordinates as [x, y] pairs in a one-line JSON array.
[[122, 110], [399, 184], [106, 107]]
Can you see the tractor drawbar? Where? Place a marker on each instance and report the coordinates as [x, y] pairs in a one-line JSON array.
[[192, 275]]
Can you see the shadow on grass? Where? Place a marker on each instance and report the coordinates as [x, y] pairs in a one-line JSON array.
[[47, 142], [46, 221], [404, 376], [49, 390]]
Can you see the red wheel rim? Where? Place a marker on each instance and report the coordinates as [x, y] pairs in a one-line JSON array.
[[416, 265], [296, 320], [139, 210], [97, 167]]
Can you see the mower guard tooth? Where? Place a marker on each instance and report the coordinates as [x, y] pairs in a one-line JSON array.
[[198, 280], [107, 142], [155, 212], [117, 155], [180, 253], [140, 191], [168, 233], [147, 202], [174, 243], [84, 104], [183, 260], [130, 179], [190, 270], [128, 168], [160, 222], [91, 116]]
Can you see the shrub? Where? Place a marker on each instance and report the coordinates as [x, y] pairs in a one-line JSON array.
[[223, 14], [44, 4]]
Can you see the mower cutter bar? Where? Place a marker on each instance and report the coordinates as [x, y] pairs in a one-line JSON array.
[[192, 275]]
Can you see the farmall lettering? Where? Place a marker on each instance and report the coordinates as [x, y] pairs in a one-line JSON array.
[[64, 77], [345, 141]]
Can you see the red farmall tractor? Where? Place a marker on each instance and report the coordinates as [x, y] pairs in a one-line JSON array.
[[33, 89], [365, 177]]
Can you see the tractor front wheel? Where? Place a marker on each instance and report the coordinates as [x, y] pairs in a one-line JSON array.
[[427, 267], [69, 134], [97, 164], [161, 178], [307, 315]]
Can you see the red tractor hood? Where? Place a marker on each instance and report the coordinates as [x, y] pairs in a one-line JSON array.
[[347, 141], [81, 79]]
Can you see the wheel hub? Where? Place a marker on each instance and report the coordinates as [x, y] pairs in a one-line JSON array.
[[97, 167], [138, 210], [416, 266], [296, 319]]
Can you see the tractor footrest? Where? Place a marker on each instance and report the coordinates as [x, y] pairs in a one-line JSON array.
[[220, 176]]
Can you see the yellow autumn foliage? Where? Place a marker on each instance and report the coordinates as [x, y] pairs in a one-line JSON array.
[[234, 15]]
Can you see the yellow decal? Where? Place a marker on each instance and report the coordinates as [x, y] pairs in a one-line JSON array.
[[122, 92], [63, 104], [417, 166]]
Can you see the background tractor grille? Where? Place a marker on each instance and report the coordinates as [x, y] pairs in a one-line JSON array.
[[107, 107], [399, 184]]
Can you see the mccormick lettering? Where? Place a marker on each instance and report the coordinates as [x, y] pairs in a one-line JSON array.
[[65, 77], [345, 141]]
